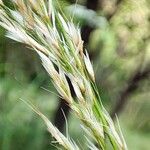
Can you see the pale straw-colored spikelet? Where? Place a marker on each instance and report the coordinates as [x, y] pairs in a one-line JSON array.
[[89, 66], [59, 79], [65, 142]]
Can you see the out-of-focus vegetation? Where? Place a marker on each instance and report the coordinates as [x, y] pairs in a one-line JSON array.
[[117, 36]]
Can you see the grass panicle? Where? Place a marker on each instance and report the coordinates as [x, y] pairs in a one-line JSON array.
[[58, 42]]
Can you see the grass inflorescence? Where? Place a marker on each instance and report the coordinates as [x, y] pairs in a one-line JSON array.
[[59, 45]]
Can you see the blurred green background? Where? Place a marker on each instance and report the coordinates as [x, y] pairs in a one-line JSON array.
[[117, 37]]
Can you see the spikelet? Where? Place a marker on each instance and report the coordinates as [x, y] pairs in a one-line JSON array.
[[65, 142]]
